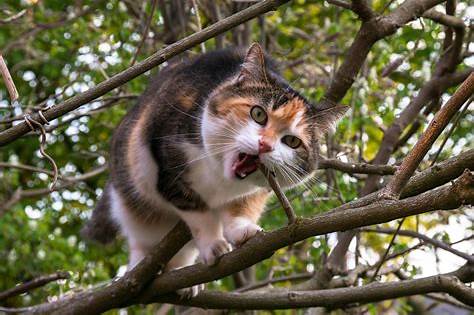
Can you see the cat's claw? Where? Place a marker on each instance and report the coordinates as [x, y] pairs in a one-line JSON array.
[[187, 293], [239, 232], [211, 253]]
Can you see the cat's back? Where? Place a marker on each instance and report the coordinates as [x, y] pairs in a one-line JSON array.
[[170, 105], [193, 78]]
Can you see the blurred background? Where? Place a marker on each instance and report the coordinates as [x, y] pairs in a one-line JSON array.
[[58, 48]]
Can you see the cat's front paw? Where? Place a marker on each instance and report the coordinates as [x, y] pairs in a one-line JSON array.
[[187, 293], [211, 252], [240, 231]]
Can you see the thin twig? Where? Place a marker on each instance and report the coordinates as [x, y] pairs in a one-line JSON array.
[[256, 285], [270, 176], [356, 168], [33, 284], [37, 126], [145, 31], [382, 260], [198, 22], [7, 78], [451, 129], [424, 238], [340, 3], [13, 18]]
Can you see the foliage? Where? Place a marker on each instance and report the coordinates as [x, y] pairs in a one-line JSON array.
[[50, 63]]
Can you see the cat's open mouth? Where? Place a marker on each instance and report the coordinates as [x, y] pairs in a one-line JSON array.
[[244, 165]]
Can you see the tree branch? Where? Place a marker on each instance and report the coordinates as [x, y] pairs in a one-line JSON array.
[[363, 9], [33, 284], [370, 32], [263, 245], [256, 249], [426, 239], [290, 213], [154, 60], [356, 168], [433, 87], [436, 126], [430, 178], [96, 301], [20, 39], [7, 78], [19, 194], [341, 3], [330, 298]]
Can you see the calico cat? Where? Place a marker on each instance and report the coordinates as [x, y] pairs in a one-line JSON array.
[[191, 148]]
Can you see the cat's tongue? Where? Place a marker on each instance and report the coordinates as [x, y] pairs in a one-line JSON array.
[[244, 165]]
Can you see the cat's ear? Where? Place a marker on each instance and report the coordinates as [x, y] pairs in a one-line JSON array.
[[326, 119], [253, 67]]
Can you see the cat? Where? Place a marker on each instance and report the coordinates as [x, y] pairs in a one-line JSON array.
[[191, 149]]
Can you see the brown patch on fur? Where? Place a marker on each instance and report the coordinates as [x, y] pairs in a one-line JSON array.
[[135, 141], [237, 106], [286, 113], [250, 206], [283, 117], [187, 100], [135, 146]]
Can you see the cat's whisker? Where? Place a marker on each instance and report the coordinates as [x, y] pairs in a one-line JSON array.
[[285, 173], [301, 174], [206, 155], [178, 135], [183, 112]]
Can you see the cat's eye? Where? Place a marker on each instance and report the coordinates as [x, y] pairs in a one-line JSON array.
[[291, 141], [259, 115]]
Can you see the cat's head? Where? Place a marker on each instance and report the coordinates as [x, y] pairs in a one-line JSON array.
[[256, 117]]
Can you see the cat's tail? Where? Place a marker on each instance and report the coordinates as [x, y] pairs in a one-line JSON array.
[[101, 226]]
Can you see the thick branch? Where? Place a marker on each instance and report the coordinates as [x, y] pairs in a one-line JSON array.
[[259, 248], [370, 32], [263, 245], [432, 88], [430, 178], [331, 298], [154, 60], [123, 289], [363, 9], [436, 126], [447, 20]]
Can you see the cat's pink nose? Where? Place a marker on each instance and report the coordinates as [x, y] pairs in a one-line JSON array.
[[264, 146]]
